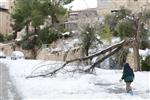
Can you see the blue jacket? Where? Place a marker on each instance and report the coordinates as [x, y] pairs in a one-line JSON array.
[[128, 74]]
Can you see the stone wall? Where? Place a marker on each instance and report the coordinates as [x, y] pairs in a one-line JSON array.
[[78, 19], [4, 21], [59, 56], [8, 49], [44, 54]]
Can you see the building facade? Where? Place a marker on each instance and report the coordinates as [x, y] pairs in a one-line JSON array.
[[107, 6], [4, 21], [77, 19], [104, 7], [6, 8]]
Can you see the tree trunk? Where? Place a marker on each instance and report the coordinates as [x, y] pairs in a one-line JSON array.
[[35, 30], [54, 19], [136, 46], [86, 52], [34, 51], [88, 62], [14, 35], [27, 28], [136, 57]]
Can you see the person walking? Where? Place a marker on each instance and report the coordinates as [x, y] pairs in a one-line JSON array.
[[128, 77]]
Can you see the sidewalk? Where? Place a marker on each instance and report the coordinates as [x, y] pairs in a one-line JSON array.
[[7, 89]]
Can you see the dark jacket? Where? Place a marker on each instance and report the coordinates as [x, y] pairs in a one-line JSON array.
[[128, 74]]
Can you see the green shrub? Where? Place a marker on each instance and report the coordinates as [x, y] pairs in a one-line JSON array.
[[48, 35], [144, 44], [27, 45], [146, 64], [1, 37], [9, 37]]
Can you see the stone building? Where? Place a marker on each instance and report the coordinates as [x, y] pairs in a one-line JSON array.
[[6, 7], [77, 19], [107, 6], [4, 21]]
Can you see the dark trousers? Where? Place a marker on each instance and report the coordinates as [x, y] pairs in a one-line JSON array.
[[128, 86]]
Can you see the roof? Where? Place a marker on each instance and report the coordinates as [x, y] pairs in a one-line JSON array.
[[3, 9], [77, 5]]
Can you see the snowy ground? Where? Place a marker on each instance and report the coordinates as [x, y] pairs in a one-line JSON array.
[[104, 85]]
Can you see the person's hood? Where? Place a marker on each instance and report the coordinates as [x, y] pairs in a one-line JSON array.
[[126, 66]]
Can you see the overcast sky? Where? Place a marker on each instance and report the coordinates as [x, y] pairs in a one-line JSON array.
[[3, 0]]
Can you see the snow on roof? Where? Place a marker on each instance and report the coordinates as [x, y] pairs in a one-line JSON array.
[[81, 4]]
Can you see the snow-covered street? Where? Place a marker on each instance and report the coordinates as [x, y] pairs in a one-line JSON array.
[[104, 85], [74, 49]]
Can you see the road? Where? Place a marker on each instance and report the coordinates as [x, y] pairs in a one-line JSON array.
[[7, 89]]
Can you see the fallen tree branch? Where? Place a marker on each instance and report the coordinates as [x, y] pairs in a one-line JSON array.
[[117, 47], [102, 59]]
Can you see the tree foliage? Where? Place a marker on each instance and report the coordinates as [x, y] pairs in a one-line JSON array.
[[48, 35], [114, 18], [105, 32], [131, 25], [125, 28], [32, 15], [88, 38]]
